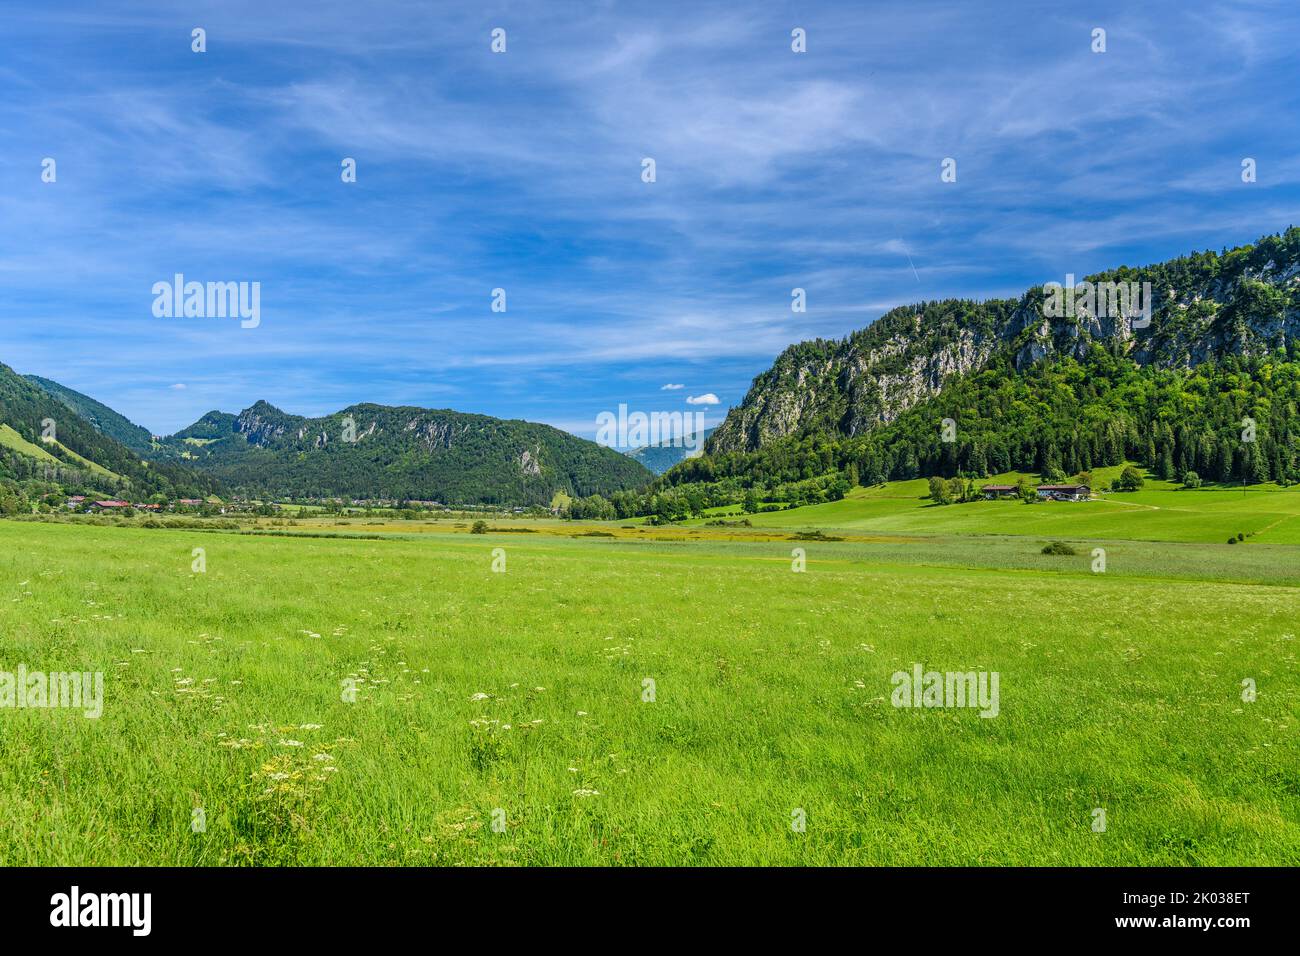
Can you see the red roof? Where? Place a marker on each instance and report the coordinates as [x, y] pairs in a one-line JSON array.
[[113, 504]]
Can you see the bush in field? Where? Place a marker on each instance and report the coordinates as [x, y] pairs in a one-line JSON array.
[[1191, 480], [1130, 479], [940, 491], [479, 527], [1058, 547]]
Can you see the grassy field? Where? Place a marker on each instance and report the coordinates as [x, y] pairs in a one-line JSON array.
[[1160, 512], [521, 693]]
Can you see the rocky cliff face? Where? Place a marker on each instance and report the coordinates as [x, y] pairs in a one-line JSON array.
[[264, 424], [1203, 306]]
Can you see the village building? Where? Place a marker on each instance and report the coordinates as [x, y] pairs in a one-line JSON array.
[[998, 491], [1064, 492]]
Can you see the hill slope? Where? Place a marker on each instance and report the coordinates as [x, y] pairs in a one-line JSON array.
[[104, 419], [401, 453], [77, 455]]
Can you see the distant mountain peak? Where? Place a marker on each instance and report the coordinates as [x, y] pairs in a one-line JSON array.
[[263, 407]]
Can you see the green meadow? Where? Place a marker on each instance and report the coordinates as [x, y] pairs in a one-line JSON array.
[[1162, 511], [387, 699]]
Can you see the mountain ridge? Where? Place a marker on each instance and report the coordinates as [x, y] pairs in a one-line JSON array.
[[408, 451]]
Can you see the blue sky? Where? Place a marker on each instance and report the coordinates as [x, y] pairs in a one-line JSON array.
[[522, 171]]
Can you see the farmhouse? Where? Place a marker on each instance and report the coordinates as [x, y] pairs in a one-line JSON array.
[[998, 491], [110, 504], [1064, 492]]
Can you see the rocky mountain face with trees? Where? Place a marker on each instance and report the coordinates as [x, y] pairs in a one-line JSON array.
[[1242, 304]]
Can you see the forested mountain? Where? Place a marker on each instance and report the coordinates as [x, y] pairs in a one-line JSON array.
[[46, 445], [1211, 385], [377, 451], [104, 419]]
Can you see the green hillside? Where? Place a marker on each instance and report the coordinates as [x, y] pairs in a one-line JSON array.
[[15, 442], [104, 419], [79, 457], [1161, 511]]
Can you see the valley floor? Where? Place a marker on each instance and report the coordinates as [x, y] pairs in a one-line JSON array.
[[385, 700]]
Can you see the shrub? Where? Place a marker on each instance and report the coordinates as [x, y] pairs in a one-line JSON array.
[[940, 491], [1058, 547], [479, 527], [817, 535], [1130, 479]]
